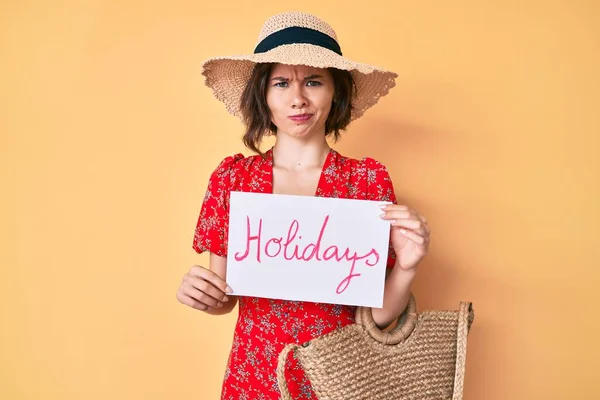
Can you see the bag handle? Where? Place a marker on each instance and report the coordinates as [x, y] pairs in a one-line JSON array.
[[406, 323], [465, 320], [281, 381]]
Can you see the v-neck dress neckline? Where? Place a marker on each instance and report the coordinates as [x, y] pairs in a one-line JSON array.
[[270, 164]]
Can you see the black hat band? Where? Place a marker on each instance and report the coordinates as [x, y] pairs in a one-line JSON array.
[[294, 35]]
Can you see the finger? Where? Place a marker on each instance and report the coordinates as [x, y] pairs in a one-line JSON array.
[[196, 304], [404, 213], [207, 288], [200, 296], [427, 229], [423, 230], [413, 236], [411, 224], [424, 220], [210, 276], [188, 301], [394, 214], [397, 207]]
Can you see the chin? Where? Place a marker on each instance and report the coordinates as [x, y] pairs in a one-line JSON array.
[[300, 131]]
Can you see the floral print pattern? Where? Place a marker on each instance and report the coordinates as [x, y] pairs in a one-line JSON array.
[[265, 326]]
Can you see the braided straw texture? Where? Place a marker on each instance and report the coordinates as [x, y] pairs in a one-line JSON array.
[[298, 19], [350, 364], [227, 76]]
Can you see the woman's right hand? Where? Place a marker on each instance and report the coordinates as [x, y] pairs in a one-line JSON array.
[[203, 290]]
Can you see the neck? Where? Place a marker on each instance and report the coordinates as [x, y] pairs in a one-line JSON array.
[[293, 154]]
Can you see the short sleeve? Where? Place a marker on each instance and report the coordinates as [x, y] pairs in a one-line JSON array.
[[213, 223], [380, 188]]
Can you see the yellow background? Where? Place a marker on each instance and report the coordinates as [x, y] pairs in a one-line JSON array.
[[108, 137]]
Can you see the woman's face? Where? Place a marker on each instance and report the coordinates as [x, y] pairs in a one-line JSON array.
[[299, 98]]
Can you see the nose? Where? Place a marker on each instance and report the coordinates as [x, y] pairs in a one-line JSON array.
[[298, 99]]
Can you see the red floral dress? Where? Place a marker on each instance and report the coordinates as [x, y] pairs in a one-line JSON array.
[[265, 326]]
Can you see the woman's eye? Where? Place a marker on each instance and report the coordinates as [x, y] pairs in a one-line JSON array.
[[281, 84], [313, 83]]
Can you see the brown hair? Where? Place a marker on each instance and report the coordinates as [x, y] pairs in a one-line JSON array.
[[257, 115]]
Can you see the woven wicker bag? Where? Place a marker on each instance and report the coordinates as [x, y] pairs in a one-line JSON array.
[[423, 357]]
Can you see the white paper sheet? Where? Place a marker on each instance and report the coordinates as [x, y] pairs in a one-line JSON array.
[[313, 249]]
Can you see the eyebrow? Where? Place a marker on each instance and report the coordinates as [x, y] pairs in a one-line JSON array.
[[282, 79]]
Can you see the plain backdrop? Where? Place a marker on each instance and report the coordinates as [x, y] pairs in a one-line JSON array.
[[108, 137]]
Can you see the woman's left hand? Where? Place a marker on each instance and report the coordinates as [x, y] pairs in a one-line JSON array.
[[409, 235]]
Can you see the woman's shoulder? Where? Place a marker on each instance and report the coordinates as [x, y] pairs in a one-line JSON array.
[[238, 161], [230, 172]]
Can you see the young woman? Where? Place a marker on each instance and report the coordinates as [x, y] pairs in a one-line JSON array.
[[298, 87]]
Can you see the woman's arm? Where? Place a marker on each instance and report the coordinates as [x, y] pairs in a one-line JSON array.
[[205, 289], [219, 266], [409, 236], [395, 296]]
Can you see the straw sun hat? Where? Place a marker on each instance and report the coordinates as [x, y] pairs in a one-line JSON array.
[[294, 38]]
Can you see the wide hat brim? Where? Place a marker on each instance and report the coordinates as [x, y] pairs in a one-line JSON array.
[[228, 76]]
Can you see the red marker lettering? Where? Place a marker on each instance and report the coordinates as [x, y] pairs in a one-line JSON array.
[[346, 281], [290, 238], [316, 247], [249, 239], [274, 247], [273, 240]]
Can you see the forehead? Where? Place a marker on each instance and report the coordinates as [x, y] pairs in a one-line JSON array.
[[297, 70]]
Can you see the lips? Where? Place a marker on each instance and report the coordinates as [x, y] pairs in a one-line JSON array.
[[300, 117]]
